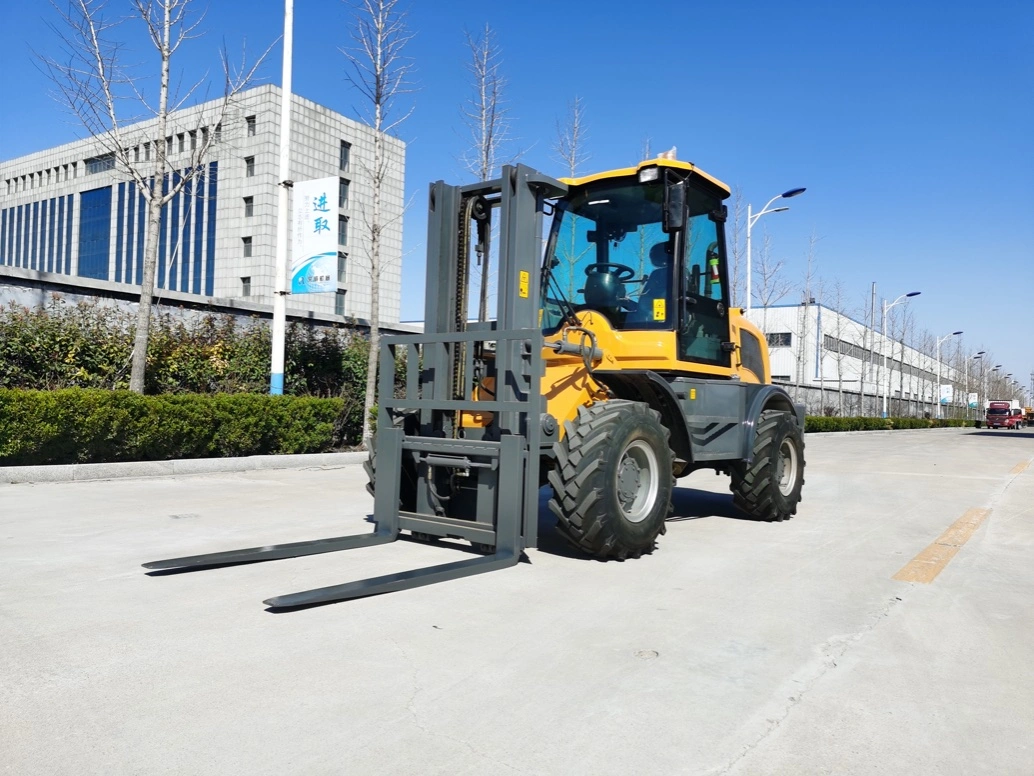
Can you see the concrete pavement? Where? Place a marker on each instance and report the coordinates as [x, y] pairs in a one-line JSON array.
[[736, 648]]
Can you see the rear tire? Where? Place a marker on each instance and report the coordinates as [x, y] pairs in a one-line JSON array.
[[769, 488], [612, 481]]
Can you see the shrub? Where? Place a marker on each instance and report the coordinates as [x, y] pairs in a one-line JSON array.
[[817, 423], [88, 344], [96, 426]]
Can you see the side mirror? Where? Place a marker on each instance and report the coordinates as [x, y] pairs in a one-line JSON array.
[[674, 206]]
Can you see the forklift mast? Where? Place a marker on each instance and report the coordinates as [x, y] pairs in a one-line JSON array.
[[480, 484]]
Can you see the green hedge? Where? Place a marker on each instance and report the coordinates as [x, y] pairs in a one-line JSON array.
[[88, 344], [96, 426], [818, 423]]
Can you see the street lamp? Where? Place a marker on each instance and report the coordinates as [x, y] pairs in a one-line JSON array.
[[752, 219], [886, 307], [975, 356], [942, 339], [995, 368]]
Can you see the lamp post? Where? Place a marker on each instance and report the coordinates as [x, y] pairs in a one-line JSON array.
[[280, 287], [979, 354], [939, 341], [752, 219], [886, 374], [987, 375]]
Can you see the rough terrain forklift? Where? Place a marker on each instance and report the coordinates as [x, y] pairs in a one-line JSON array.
[[611, 366]]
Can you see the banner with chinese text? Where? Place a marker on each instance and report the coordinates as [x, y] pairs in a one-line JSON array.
[[314, 237]]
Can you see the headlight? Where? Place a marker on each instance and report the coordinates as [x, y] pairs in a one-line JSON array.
[[648, 174]]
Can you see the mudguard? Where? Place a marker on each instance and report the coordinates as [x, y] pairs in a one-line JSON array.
[[768, 397]]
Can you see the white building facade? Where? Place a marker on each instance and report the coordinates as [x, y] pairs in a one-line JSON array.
[[818, 349], [68, 213]]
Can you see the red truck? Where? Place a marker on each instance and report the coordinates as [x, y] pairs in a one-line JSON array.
[[1003, 414]]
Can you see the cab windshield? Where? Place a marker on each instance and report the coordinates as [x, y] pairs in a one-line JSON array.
[[607, 251]]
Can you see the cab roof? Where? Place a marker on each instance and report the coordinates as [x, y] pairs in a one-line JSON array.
[[634, 171]]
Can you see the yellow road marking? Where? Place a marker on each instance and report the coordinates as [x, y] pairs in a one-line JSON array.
[[925, 566], [1020, 467]]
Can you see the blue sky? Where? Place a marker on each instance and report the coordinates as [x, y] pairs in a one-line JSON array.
[[911, 123]]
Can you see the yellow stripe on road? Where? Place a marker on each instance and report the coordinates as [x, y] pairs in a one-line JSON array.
[[925, 566], [1020, 467]]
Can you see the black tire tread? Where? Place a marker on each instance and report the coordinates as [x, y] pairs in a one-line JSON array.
[[752, 488], [580, 455]]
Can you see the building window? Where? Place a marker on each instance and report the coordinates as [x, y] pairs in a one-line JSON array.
[[339, 302], [94, 233], [246, 241], [249, 207], [250, 121], [193, 140], [218, 136], [342, 230], [346, 149], [246, 286], [342, 262], [249, 166], [168, 146], [181, 142], [147, 152], [100, 164], [342, 193], [780, 339], [204, 136]]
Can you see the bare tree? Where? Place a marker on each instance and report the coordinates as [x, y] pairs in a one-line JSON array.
[[486, 116], [842, 333], [485, 113], [570, 152], [772, 284], [736, 247], [571, 133], [106, 96], [644, 149], [811, 288], [380, 72], [870, 365]]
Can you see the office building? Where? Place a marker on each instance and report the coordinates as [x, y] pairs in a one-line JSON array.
[[70, 219]]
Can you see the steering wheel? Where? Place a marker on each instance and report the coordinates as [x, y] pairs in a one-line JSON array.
[[621, 272]]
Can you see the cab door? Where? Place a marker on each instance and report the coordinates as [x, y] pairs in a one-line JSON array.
[[704, 315]]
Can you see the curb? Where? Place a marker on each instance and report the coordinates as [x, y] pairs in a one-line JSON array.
[[78, 472]]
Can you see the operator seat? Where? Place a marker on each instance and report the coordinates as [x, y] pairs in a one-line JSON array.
[[657, 286]]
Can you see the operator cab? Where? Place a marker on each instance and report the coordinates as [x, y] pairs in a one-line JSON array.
[[645, 248]]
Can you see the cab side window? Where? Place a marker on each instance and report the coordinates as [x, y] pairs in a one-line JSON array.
[[704, 323]]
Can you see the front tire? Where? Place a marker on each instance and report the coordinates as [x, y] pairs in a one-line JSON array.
[[769, 488], [612, 481]]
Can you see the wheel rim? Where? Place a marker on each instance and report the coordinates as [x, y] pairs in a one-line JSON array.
[[637, 481], [787, 467]]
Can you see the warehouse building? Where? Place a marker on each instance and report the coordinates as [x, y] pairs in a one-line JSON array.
[[71, 221], [853, 366]]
